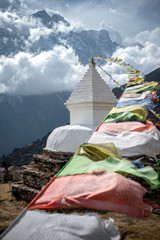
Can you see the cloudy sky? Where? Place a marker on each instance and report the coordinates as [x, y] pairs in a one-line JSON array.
[[129, 21], [127, 16]]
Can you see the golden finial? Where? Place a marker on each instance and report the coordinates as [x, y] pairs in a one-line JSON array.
[[92, 61]]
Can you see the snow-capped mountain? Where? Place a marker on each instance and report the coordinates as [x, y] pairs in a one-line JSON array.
[[50, 21], [55, 30], [89, 43]]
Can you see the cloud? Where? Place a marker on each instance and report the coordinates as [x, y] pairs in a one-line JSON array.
[[36, 33], [24, 71], [26, 33], [149, 36], [50, 71], [92, 14], [4, 4], [19, 33], [117, 73], [150, 10], [152, 36], [145, 59], [128, 17], [18, 6], [16, 24], [114, 35]]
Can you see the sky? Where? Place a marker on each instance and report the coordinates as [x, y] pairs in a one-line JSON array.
[[128, 21], [127, 16]]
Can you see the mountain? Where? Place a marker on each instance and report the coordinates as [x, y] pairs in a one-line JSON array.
[[89, 43], [153, 76], [50, 21], [24, 119], [86, 43]]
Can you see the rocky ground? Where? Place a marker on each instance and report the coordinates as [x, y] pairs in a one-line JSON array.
[[130, 228], [10, 208]]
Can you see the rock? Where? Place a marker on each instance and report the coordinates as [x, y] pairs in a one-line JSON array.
[[35, 179], [51, 161], [13, 174], [35, 176], [21, 192], [2, 176]]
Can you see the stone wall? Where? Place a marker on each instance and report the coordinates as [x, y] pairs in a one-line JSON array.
[[13, 174], [28, 180]]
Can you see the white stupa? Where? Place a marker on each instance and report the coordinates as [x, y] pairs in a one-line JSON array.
[[88, 104]]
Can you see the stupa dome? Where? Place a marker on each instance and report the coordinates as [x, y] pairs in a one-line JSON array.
[[68, 138]]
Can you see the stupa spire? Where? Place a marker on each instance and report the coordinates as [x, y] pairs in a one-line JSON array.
[[91, 100], [92, 61]]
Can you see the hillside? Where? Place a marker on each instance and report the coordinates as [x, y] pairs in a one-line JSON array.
[[153, 76], [24, 119], [24, 155]]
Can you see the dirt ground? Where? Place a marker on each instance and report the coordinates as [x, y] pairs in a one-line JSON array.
[[130, 228], [9, 207]]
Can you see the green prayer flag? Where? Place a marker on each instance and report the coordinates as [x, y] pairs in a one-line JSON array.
[[81, 164], [122, 117], [147, 86]]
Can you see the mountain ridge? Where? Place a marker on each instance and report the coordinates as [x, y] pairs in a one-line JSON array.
[[49, 21], [85, 43]]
